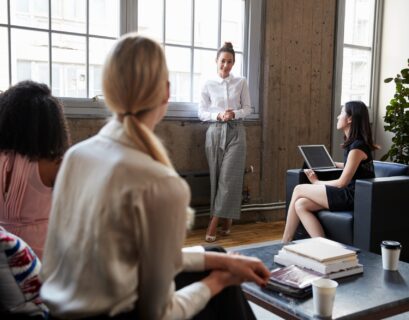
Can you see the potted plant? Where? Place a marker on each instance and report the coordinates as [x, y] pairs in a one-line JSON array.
[[397, 118]]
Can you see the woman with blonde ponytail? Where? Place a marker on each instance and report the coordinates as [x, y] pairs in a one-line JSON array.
[[118, 218]]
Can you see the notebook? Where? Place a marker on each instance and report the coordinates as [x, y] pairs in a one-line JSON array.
[[320, 250], [316, 157]]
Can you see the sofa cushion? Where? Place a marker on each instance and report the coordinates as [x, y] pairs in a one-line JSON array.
[[19, 277], [390, 169]]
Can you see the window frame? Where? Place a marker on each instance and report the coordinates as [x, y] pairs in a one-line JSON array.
[[375, 68], [95, 107], [375, 55]]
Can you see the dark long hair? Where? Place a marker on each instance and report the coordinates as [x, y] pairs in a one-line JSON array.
[[32, 122], [227, 47], [360, 126]]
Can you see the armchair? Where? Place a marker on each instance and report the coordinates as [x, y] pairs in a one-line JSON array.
[[381, 208]]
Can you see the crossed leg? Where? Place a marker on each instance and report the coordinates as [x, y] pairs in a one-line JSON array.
[[305, 201]]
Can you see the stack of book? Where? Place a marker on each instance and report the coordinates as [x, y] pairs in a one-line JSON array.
[[328, 258], [310, 259]]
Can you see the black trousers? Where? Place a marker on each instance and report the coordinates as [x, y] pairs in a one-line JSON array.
[[230, 304]]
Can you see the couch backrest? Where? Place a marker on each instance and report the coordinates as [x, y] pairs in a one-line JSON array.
[[390, 169]]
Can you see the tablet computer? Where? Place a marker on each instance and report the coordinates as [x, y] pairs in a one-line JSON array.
[[316, 156]]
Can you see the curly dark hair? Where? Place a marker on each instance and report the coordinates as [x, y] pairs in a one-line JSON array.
[[32, 122]]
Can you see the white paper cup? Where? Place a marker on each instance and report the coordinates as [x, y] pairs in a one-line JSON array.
[[390, 254], [323, 292]]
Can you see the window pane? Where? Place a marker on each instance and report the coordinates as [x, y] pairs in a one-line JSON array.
[[104, 17], [68, 15], [150, 18], [179, 73], [4, 60], [359, 15], [3, 11], [179, 21], [238, 65], [356, 75], [206, 23], [233, 23], [29, 56], [204, 68], [68, 56], [29, 13], [98, 50]]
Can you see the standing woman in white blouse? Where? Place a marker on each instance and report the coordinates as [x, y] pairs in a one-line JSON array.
[[225, 101]]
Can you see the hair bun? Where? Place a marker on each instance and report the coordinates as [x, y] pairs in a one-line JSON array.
[[228, 45]]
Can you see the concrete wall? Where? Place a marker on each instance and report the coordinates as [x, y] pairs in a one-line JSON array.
[[394, 57]]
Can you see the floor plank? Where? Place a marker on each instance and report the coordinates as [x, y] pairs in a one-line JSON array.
[[241, 234]]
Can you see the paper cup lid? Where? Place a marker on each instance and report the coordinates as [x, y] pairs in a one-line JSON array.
[[389, 244]]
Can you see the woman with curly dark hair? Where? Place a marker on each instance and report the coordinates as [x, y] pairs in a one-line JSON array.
[[33, 139]]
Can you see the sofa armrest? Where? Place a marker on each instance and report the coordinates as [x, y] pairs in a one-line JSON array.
[[380, 213]]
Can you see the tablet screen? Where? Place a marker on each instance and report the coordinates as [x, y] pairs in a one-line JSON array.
[[316, 156]]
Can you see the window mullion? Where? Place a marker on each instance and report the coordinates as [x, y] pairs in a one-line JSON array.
[[192, 36], [87, 46], [164, 24], [9, 38], [219, 29], [50, 45], [357, 47], [246, 38]]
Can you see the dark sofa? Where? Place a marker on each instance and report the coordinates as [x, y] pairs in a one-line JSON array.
[[381, 210]]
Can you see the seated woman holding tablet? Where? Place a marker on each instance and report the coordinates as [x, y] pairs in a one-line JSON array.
[[335, 195]]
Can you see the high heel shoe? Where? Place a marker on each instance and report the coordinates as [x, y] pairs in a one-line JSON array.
[[225, 230], [212, 227], [210, 238]]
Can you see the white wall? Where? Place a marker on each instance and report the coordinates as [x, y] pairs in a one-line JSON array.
[[394, 57]]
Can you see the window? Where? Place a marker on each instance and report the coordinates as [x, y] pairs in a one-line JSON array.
[[356, 71], [357, 58], [63, 43]]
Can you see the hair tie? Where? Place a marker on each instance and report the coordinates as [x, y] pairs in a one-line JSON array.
[[128, 113]]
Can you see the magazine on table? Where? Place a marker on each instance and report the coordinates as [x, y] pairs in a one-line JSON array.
[[292, 280]]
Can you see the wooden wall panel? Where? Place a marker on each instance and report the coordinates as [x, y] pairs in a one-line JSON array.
[[297, 89]]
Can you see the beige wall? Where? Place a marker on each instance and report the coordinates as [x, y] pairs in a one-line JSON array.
[[296, 103], [394, 57]]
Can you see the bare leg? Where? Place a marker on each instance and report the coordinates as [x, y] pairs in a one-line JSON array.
[[292, 220], [212, 229], [226, 225], [306, 210], [315, 193]]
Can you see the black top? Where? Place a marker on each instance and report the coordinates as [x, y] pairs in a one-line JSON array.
[[341, 199], [365, 169]]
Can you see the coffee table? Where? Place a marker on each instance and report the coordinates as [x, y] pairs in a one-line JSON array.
[[375, 294]]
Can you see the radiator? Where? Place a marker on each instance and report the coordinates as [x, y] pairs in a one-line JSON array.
[[199, 183]]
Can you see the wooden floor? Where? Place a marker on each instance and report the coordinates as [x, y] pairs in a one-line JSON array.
[[241, 234]]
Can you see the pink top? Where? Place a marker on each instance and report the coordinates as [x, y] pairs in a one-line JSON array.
[[25, 208]]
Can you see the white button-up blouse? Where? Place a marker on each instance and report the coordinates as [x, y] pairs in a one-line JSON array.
[[220, 94]]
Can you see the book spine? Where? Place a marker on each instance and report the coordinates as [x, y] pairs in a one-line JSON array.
[[344, 273], [290, 258]]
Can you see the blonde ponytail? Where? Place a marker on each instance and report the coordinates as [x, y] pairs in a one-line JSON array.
[[134, 82], [146, 140]]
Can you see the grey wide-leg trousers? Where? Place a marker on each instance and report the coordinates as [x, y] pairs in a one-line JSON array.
[[226, 155]]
